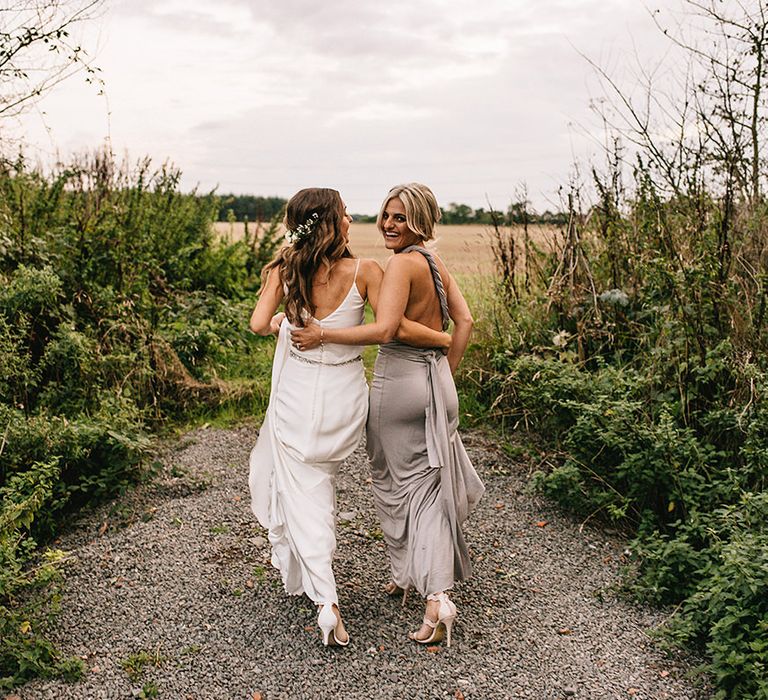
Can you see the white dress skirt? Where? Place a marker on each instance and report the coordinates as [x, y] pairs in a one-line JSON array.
[[316, 415]]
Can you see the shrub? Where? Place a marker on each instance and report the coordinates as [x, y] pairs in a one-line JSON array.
[[640, 362], [28, 595], [119, 311]]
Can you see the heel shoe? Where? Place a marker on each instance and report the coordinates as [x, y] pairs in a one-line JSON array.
[[446, 616], [392, 589], [329, 623]]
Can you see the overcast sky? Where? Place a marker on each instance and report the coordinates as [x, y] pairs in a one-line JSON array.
[[268, 96]]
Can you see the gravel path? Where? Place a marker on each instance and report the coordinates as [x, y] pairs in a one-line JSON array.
[[174, 583]]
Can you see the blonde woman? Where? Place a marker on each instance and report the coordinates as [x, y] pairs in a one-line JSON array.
[[319, 397], [424, 484]]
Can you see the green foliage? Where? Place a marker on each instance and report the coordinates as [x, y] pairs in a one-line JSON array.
[[28, 596], [640, 358], [135, 664], [119, 310], [517, 213], [722, 556], [148, 691]]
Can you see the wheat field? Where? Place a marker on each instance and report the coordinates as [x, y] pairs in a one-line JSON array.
[[466, 249]]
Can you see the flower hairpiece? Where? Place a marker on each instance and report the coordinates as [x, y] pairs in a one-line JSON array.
[[302, 231]]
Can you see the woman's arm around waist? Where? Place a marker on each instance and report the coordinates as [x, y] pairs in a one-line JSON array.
[[388, 295]]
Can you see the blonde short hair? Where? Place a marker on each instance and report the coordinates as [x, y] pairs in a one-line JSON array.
[[421, 209]]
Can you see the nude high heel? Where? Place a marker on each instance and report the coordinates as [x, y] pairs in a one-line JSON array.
[[328, 622], [446, 616], [392, 589]]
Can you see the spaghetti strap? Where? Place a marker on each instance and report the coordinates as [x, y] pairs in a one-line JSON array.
[[436, 278], [357, 267]]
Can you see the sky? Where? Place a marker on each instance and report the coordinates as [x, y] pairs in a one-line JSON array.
[[475, 99]]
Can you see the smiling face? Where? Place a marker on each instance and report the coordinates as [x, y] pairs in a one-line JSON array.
[[394, 226]]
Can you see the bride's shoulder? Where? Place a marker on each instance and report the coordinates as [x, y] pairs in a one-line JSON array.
[[369, 267]]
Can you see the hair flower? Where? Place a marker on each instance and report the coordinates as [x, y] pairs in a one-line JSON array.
[[302, 231]]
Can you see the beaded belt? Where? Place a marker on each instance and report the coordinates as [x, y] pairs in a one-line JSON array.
[[301, 358]]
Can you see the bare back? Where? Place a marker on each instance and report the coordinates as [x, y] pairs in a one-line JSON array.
[[423, 304], [328, 291]]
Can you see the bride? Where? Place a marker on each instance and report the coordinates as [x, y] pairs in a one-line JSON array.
[[319, 397]]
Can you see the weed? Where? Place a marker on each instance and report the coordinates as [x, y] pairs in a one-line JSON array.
[[148, 691], [375, 534], [135, 664]]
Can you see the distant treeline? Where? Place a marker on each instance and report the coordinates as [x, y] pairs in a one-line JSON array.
[[516, 213], [239, 207]]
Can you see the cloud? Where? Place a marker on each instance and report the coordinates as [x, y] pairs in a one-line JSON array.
[[472, 98]]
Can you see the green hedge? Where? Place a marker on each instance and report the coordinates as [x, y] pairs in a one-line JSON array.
[[119, 311]]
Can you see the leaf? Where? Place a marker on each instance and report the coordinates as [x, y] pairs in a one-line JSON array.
[[542, 523], [25, 627], [257, 696]]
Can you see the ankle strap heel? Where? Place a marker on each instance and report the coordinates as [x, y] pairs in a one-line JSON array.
[[446, 616]]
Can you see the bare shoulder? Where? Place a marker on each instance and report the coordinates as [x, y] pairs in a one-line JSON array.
[[369, 276], [369, 266], [405, 262]]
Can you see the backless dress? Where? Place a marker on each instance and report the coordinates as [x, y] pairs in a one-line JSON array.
[[424, 484]]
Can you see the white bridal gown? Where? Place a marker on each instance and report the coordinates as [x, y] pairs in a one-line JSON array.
[[317, 411]]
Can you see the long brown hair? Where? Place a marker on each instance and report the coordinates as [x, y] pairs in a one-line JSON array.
[[321, 247]]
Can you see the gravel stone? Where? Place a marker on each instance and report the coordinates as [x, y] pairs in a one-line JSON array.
[[181, 573]]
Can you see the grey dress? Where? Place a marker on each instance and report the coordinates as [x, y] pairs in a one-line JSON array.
[[424, 484]]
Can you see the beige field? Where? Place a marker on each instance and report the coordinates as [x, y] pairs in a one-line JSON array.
[[465, 249]]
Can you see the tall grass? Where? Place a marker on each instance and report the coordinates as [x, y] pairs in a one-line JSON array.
[[638, 358]]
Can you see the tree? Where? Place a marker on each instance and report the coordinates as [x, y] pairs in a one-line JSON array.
[[457, 214], [707, 125], [38, 50], [730, 96], [697, 130], [247, 207]]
